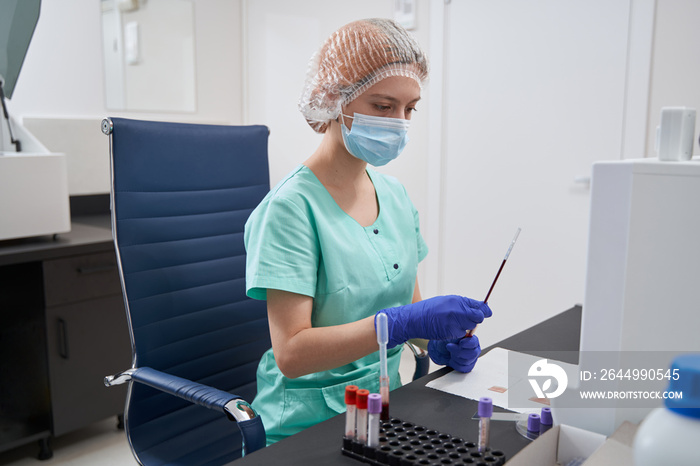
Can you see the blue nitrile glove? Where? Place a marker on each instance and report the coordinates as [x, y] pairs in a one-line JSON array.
[[438, 318], [460, 353]]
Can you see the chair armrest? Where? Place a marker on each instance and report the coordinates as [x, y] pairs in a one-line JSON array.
[[232, 405], [194, 392], [422, 361]]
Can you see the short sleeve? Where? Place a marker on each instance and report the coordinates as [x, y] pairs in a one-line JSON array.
[[282, 249], [421, 245]]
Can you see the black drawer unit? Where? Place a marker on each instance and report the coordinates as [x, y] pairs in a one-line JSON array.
[[63, 329], [25, 405], [87, 338]]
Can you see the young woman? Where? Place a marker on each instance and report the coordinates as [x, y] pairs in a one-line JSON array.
[[335, 243]]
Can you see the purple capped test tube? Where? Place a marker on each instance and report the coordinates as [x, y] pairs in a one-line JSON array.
[[485, 411], [374, 410], [533, 423], [546, 420]]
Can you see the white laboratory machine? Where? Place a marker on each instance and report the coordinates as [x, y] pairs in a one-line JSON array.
[[34, 197], [642, 291]]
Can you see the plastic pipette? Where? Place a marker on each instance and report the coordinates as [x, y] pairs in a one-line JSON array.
[[383, 339], [486, 299]]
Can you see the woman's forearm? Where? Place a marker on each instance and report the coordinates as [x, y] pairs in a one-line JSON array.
[[317, 349]]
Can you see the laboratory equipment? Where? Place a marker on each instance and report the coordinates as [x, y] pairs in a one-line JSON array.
[[669, 435], [498, 274], [361, 425], [641, 288], [485, 411], [374, 410], [405, 443], [34, 197], [350, 410], [382, 339]]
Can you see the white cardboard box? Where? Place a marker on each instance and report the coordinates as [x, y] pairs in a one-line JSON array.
[[564, 443]]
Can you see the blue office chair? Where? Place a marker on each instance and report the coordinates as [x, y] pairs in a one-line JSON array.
[[422, 361], [181, 194]]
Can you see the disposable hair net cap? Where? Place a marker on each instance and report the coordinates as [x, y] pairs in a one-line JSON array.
[[353, 59]]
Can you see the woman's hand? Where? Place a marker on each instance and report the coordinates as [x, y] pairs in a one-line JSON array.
[[438, 318], [459, 353]]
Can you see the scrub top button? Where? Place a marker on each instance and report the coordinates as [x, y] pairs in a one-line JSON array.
[[396, 266], [376, 232]]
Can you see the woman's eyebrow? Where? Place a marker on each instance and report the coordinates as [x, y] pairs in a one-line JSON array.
[[391, 98]]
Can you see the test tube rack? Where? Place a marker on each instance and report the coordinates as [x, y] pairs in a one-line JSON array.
[[406, 444]]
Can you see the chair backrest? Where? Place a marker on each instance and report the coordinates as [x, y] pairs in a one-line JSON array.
[[181, 194]]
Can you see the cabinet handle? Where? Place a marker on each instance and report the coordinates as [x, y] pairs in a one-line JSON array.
[[62, 338], [96, 269]]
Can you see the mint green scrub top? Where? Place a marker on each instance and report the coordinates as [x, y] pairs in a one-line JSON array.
[[299, 240]]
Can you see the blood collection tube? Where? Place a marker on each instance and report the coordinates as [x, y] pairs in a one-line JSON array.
[[374, 408], [546, 421], [485, 411], [350, 416], [382, 340], [361, 426], [533, 423]]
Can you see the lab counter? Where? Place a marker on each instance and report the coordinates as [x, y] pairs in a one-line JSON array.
[[90, 233], [437, 410]]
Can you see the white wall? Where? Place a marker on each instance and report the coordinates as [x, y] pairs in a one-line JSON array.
[[534, 94], [163, 75], [63, 76]]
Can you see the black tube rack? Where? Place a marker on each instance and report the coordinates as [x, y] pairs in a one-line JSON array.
[[406, 444]]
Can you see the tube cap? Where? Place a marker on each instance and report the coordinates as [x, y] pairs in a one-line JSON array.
[[533, 422], [350, 394], [374, 403], [485, 407], [361, 399], [686, 369], [546, 416]]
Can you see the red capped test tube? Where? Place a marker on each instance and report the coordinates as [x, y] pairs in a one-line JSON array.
[[350, 416], [361, 426]]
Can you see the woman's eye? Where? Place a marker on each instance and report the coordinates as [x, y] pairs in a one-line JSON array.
[[382, 108]]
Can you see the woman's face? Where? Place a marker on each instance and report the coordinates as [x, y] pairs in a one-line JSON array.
[[393, 97]]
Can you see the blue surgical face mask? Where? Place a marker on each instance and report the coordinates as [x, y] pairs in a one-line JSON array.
[[376, 140]]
